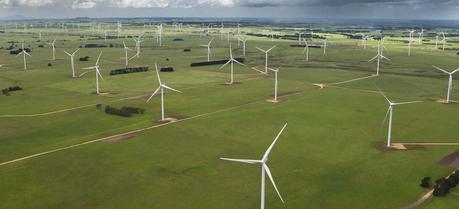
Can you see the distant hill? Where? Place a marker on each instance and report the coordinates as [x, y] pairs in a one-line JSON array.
[[15, 17]]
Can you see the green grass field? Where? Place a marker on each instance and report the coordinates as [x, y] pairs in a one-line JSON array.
[[328, 156]]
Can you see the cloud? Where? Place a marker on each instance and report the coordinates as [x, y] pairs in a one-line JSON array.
[[87, 4]]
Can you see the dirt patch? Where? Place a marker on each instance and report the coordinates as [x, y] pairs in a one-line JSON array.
[[119, 138], [382, 146], [451, 160]]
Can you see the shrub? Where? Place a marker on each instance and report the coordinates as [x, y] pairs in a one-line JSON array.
[[6, 91], [84, 59], [124, 111], [50, 64], [129, 70], [178, 39], [216, 62], [95, 46], [189, 50], [167, 69], [426, 182]]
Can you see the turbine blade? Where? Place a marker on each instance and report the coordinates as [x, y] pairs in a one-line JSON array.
[[154, 93], [238, 62], [89, 68], [265, 156], [172, 89], [404, 103], [271, 48], [76, 51], [242, 160], [67, 53], [98, 73], [98, 59], [441, 69], [382, 93], [261, 50], [272, 181], [385, 57], [454, 71], [385, 118], [225, 64], [157, 74], [373, 58]]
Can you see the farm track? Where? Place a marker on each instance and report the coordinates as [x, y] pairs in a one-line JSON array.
[[90, 105], [140, 130]]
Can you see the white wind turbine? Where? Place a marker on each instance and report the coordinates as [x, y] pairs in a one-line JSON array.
[[276, 86], [221, 31], [264, 169], [72, 62], [306, 50], [138, 41], [450, 82], [436, 42], [126, 49], [379, 57], [389, 113], [299, 37], [53, 45], [410, 40], [160, 89], [325, 46], [231, 61], [444, 40], [266, 56], [39, 35], [96, 68], [364, 40], [243, 40], [421, 35], [24, 53], [208, 49]]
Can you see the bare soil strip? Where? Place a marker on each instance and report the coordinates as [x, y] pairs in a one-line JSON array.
[[352, 80]]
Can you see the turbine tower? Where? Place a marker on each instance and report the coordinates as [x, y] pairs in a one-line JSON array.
[[450, 81], [160, 89], [266, 56], [389, 113], [208, 49], [231, 61], [24, 53], [264, 169], [72, 62], [379, 57]]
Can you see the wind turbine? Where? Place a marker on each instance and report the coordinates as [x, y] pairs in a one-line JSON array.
[[72, 63], [264, 169], [39, 35], [160, 89], [421, 35], [137, 40], [436, 42], [96, 67], [379, 57], [275, 83], [208, 49], [221, 31], [410, 40], [299, 38], [306, 50], [272, 35], [266, 56], [53, 45], [231, 61], [126, 49], [450, 82], [389, 113], [243, 40], [24, 53], [325, 46], [364, 40], [444, 40]]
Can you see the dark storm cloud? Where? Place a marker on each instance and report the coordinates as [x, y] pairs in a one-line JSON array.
[[338, 3]]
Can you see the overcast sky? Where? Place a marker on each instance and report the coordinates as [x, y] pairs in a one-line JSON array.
[[393, 9]]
